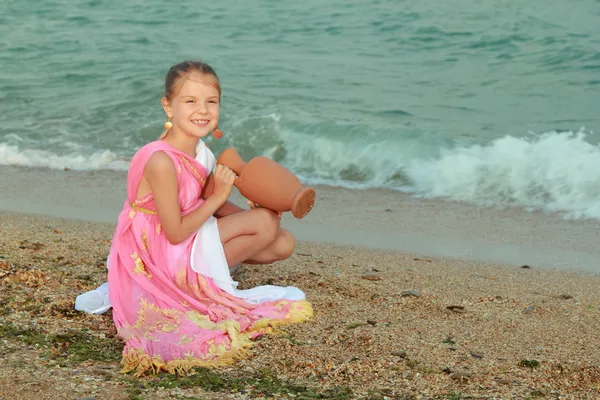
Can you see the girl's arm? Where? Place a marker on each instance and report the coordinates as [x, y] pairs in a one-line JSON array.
[[228, 208], [162, 177]]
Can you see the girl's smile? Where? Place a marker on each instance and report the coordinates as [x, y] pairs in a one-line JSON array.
[[200, 122], [194, 110]]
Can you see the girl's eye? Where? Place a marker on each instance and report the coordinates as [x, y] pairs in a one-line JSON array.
[[190, 101]]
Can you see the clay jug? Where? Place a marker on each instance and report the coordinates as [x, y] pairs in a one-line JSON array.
[[267, 183]]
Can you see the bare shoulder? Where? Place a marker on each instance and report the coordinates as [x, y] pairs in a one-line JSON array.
[[160, 163]]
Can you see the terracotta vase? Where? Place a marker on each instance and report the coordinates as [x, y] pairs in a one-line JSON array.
[[267, 183]]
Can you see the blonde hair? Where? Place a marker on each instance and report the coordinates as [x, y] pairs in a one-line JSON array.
[[187, 68], [184, 69]]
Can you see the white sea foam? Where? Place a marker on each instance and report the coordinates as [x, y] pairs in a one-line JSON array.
[[104, 159], [553, 171]]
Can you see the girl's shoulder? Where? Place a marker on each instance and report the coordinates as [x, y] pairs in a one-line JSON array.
[[144, 153], [148, 149]]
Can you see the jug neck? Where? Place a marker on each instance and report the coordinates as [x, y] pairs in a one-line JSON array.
[[232, 160]]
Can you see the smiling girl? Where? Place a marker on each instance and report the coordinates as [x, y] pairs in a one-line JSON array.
[[174, 302]]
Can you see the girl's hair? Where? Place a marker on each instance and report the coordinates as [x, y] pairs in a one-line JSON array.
[[184, 68]]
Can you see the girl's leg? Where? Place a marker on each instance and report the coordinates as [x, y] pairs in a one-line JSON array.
[[280, 249], [246, 234]]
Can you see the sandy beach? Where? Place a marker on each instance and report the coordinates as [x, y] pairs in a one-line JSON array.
[[453, 249], [413, 299]]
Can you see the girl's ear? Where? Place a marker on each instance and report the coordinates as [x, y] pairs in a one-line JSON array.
[[167, 107]]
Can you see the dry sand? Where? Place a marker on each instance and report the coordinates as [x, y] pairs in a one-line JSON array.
[[386, 325], [381, 219]]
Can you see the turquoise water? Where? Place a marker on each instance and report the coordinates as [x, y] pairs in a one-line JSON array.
[[492, 102]]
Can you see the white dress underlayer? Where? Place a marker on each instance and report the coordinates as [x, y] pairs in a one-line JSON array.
[[207, 258]]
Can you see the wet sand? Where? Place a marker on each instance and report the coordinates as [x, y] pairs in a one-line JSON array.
[[377, 219]]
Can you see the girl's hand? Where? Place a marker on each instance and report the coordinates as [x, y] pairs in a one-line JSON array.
[[224, 178], [252, 205]]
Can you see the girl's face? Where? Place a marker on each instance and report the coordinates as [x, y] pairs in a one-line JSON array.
[[194, 110]]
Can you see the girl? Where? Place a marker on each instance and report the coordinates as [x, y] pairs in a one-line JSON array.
[[174, 302]]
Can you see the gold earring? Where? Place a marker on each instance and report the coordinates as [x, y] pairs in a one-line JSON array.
[[217, 134], [168, 125]]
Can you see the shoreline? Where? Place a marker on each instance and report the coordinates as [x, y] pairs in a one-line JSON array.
[[375, 219], [429, 327]]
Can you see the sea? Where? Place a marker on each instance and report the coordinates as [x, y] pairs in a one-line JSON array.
[[488, 102]]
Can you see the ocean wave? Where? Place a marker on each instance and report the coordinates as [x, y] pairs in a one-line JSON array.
[[103, 159], [553, 171]]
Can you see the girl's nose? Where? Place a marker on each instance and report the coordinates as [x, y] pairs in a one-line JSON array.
[[201, 108]]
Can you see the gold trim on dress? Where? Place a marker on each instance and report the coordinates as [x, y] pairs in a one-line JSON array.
[[142, 210], [191, 168], [136, 359], [143, 199]]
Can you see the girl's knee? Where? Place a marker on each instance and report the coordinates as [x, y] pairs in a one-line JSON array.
[[285, 244], [269, 223]]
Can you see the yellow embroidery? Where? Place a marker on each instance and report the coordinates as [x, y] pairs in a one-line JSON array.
[[203, 284], [192, 169], [261, 324], [217, 349], [143, 199], [281, 304], [139, 268], [168, 320], [197, 293], [135, 206], [232, 327], [201, 321], [145, 240], [185, 339], [131, 214], [189, 354], [145, 306], [136, 359], [169, 327], [140, 209], [160, 326], [181, 278], [139, 361]]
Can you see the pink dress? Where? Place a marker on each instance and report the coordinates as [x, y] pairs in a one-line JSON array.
[[172, 317]]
